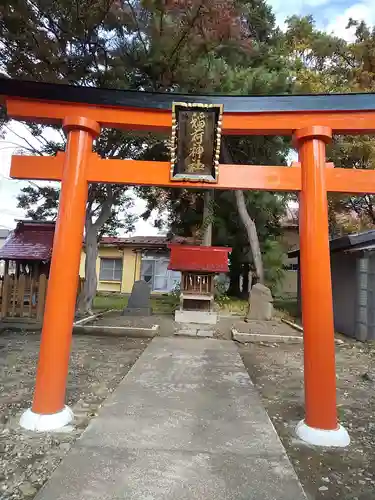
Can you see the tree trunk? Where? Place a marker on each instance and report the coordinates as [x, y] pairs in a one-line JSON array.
[[246, 283], [248, 222], [234, 283], [92, 230], [252, 235], [207, 218], [91, 281]]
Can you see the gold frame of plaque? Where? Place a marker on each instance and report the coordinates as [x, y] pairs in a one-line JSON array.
[[195, 141]]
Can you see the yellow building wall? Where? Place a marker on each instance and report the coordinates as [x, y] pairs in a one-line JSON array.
[[138, 266], [109, 286], [131, 269], [82, 264]]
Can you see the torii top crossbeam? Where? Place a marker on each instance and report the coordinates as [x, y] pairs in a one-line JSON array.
[[249, 115], [244, 115], [311, 119]]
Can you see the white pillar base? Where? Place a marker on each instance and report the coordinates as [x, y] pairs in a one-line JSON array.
[[43, 423], [319, 437]]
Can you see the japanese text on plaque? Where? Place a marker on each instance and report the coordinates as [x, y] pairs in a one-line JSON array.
[[198, 124]]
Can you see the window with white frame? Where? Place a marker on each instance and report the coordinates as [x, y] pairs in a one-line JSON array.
[[147, 271], [155, 272], [161, 276], [110, 270]]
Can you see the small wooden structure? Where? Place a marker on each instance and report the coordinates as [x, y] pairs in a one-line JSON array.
[[27, 256], [22, 296], [198, 266], [28, 249]]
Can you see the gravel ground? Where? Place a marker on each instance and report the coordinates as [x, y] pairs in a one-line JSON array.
[[97, 365], [277, 372]]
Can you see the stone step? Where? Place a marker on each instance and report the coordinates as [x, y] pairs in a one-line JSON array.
[[195, 332]]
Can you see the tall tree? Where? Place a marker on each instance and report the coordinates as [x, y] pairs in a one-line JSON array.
[[66, 42], [217, 47], [325, 63], [107, 208], [255, 66], [185, 45]]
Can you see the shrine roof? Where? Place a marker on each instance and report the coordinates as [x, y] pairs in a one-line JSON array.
[[199, 258], [29, 241], [163, 101], [142, 241], [135, 240]]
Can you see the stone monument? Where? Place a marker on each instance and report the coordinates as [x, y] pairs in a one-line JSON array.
[[261, 303], [139, 303]]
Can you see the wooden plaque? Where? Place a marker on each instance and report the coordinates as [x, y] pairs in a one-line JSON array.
[[195, 147]]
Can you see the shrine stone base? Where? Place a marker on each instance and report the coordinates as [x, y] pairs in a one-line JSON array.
[[200, 317]]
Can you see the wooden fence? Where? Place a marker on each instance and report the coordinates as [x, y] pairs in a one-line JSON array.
[[197, 283], [22, 297]]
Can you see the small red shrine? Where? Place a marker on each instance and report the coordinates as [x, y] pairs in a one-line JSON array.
[[198, 266]]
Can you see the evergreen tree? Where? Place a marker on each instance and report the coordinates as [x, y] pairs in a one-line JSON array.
[[62, 41], [325, 63], [158, 45], [259, 67]]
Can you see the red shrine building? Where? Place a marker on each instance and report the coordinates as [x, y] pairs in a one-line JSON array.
[[198, 266]]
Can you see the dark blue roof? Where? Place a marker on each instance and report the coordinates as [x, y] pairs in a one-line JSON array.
[[163, 101], [345, 242]]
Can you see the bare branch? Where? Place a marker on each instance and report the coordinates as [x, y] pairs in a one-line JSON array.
[[138, 28], [182, 38], [25, 140]]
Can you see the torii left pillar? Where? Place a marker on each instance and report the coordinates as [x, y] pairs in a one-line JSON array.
[[48, 410]]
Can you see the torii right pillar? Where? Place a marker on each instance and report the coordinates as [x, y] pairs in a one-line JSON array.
[[320, 426]]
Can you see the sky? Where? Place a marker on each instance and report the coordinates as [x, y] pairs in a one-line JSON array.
[[330, 15], [9, 188]]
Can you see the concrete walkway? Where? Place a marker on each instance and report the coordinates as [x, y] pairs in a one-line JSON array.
[[185, 423]]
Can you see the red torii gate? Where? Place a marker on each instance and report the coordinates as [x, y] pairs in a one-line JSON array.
[[83, 111]]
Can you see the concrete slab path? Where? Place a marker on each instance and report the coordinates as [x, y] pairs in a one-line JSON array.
[[185, 423]]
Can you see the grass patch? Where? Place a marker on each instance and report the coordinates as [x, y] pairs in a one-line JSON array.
[[163, 305], [110, 301], [287, 306], [160, 305], [233, 305]]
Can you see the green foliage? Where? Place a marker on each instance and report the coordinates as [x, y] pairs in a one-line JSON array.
[[273, 260], [289, 307], [58, 41], [324, 63], [41, 203], [105, 302], [117, 301], [173, 298], [176, 46], [220, 293]]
